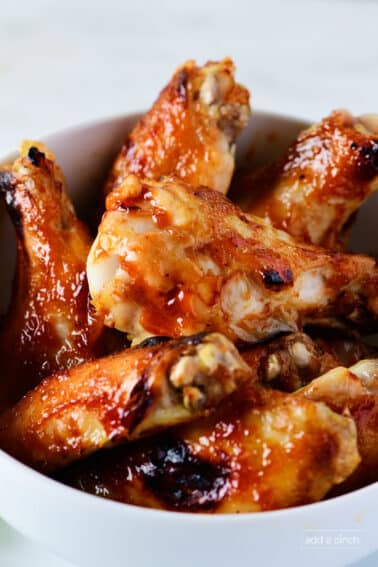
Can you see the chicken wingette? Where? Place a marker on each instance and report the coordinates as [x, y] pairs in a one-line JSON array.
[[324, 177], [353, 392], [174, 260], [121, 397], [190, 131], [262, 450]]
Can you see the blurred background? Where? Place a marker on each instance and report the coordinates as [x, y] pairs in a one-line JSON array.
[[72, 61], [64, 62]]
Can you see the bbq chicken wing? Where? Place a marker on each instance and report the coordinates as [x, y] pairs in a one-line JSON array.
[[121, 397], [353, 392], [289, 362], [314, 189], [50, 324], [176, 260], [190, 131], [262, 450]]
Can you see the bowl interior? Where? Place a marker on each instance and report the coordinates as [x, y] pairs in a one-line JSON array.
[[85, 154]]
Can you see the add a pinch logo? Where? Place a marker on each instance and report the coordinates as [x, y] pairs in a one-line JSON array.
[[335, 538]]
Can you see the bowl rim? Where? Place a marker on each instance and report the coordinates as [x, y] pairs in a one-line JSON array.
[[43, 481], [135, 114], [39, 479]]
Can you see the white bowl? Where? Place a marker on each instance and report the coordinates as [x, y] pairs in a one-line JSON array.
[[94, 532]]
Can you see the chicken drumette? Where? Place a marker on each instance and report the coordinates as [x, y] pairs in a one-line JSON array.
[[176, 260], [314, 189], [49, 324], [191, 129]]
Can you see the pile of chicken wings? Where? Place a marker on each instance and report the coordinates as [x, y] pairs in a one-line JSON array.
[[201, 353]]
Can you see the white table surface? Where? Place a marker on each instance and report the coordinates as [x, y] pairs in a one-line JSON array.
[[67, 62], [72, 61]]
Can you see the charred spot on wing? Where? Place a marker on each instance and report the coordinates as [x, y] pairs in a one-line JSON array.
[[7, 188], [182, 85], [368, 159], [194, 340], [153, 341], [275, 279], [35, 156], [138, 404], [182, 480], [128, 208]]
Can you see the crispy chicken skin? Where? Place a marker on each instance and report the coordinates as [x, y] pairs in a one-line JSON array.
[[111, 400], [176, 260], [314, 189], [262, 450], [190, 131], [49, 324], [353, 392]]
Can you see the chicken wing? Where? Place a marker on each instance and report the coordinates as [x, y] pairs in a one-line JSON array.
[[314, 189], [354, 392], [175, 260], [265, 451], [191, 129], [49, 324], [121, 397], [289, 362]]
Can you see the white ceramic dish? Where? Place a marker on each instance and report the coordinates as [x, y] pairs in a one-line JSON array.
[[93, 532]]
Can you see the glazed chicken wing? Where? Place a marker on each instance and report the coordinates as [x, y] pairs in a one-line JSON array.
[[49, 324], [176, 260], [260, 451], [289, 362], [314, 189], [190, 131], [121, 397], [353, 392]]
